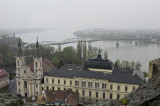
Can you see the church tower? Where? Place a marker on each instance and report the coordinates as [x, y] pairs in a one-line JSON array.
[[38, 69], [20, 62]]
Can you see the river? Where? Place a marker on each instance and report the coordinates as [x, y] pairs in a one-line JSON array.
[[126, 51]]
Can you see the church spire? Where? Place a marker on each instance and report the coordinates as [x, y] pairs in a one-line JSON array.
[[19, 42], [19, 47], [37, 49], [37, 45]]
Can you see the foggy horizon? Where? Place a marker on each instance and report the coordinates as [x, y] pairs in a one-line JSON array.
[[82, 14]]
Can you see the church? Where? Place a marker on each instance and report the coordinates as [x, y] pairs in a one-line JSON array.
[[96, 81]]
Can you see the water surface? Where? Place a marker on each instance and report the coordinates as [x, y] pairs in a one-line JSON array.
[[126, 51]]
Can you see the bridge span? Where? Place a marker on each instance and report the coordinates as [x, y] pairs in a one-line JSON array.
[[70, 40]]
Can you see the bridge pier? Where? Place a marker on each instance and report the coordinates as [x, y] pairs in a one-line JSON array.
[[59, 47]]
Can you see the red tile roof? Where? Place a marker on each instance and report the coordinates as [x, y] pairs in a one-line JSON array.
[[47, 65], [31, 65], [3, 73], [71, 98], [61, 96], [46, 61]]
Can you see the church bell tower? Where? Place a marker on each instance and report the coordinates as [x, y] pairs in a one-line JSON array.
[[38, 68], [20, 63]]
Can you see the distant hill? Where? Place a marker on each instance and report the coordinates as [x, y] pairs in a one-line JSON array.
[[118, 34], [24, 30]]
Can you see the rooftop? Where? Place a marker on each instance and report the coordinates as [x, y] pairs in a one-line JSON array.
[[121, 75], [71, 67], [118, 75], [62, 97], [99, 63], [47, 65], [74, 73], [3, 73]]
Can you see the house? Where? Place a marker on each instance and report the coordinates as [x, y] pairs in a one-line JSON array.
[[4, 78], [65, 97]]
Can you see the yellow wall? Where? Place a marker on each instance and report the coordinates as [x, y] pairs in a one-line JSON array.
[[100, 90], [32, 89], [102, 70]]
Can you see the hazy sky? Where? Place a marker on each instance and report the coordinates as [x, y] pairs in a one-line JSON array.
[[79, 14]]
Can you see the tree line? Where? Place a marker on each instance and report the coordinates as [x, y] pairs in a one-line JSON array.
[[128, 65], [69, 55], [7, 50]]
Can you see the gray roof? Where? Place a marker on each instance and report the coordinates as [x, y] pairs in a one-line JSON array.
[[74, 73], [118, 75], [99, 63], [121, 75]]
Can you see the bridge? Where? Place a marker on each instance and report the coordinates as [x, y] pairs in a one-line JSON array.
[[75, 40], [70, 40]]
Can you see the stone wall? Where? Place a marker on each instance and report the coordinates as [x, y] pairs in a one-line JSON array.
[[9, 100], [148, 94]]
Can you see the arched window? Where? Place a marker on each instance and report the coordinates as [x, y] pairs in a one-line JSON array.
[[25, 84], [47, 88], [97, 94], [118, 96], [36, 65], [105, 85], [83, 93], [18, 63]]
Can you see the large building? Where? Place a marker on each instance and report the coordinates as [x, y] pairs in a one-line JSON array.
[[29, 78], [97, 80]]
